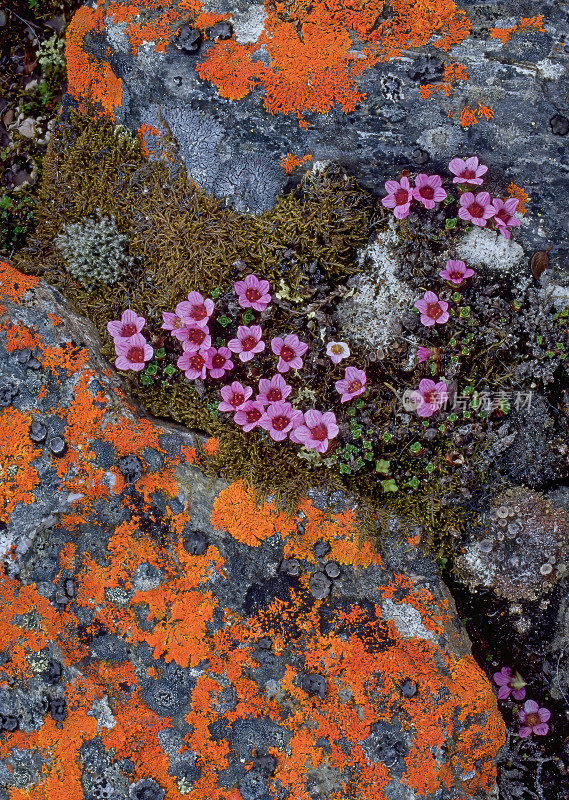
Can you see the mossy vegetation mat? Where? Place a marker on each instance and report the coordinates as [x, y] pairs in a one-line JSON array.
[[318, 250]]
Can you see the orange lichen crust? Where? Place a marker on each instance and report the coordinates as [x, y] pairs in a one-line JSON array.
[[525, 23], [290, 162], [522, 196], [453, 72], [88, 77], [313, 66], [210, 643]]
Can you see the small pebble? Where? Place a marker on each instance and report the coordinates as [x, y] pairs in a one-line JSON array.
[[189, 39], [57, 445], [546, 569], [264, 643], [321, 548], [265, 764], [195, 543], [486, 545], [33, 363], [409, 688], [130, 468], [420, 157], [559, 125], [320, 585], [23, 355], [8, 722], [70, 587], [58, 709], [332, 569], [38, 432], [221, 30], [290, 566], [314, 684]]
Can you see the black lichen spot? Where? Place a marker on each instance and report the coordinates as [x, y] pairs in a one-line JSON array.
[[130, 467], [195, 542], [314, 684], [559, 125]]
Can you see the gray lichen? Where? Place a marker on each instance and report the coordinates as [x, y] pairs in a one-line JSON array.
[[94, 250]]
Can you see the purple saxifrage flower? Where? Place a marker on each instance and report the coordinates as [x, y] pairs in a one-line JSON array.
[[428, 189], [399, 197], [171, 321], [317, 430], [510, 683], [218, 361], [456, 272], [249, 414], [476, 209], [193, 364], [279, 419], [195, 309], [467, 171], [274, 390], [253, 293], [352, 384], [429, 397], [433, 311], [248, 343], [127, 326], [290, 351], [534, 719], [423, 354], [133, 353], [234, 396], [504, 217], [337, 351], [193, 338]]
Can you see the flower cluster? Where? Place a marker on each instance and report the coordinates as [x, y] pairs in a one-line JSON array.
[[477, 209], [533, 719]]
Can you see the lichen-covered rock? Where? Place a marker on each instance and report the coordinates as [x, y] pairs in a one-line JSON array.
[[523, 548], [377, 86], [154, 645]]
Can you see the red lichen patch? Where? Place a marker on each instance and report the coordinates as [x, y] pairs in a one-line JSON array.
[[291, 162], [14, 284], [18, 476], [87, 76], [236, 512], [522, 196]]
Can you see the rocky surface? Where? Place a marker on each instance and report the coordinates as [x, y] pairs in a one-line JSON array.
[[379, 88], [164, 637]]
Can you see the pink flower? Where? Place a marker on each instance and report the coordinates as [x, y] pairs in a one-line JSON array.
[[249, 414], [279, 419], [195, 310], [399, 196], [456, 272], [469, 171], [127, 326], [193, 338], [253, 293], [503, 218], [423, 354], [432, 310], [248, 342], [218, 361], [429, 397], [477, 210], [171, 321], [289, 350], [193, 364], [274, 390], [234, 396], [428, 189], [352, 384], [337, 351], [317, 430], [133, 353], [509, 683], [533, 719]]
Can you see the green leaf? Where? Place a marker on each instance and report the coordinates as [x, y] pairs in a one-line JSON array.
[[170, 369], [389, 485], [151, 369], [414, 482], [382, 466], [451, 223], [214, 294], [247, 316], [224, 321], [160, 353], [146, 380], [416, 447]]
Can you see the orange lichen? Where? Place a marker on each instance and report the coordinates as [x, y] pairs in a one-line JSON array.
[[522, 196], [454, 71], [18, 476], [468, 117], [290, 162], [484, 111], [87, 76], [13, 284], [236, 512], [211, 445], [505, 34]]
